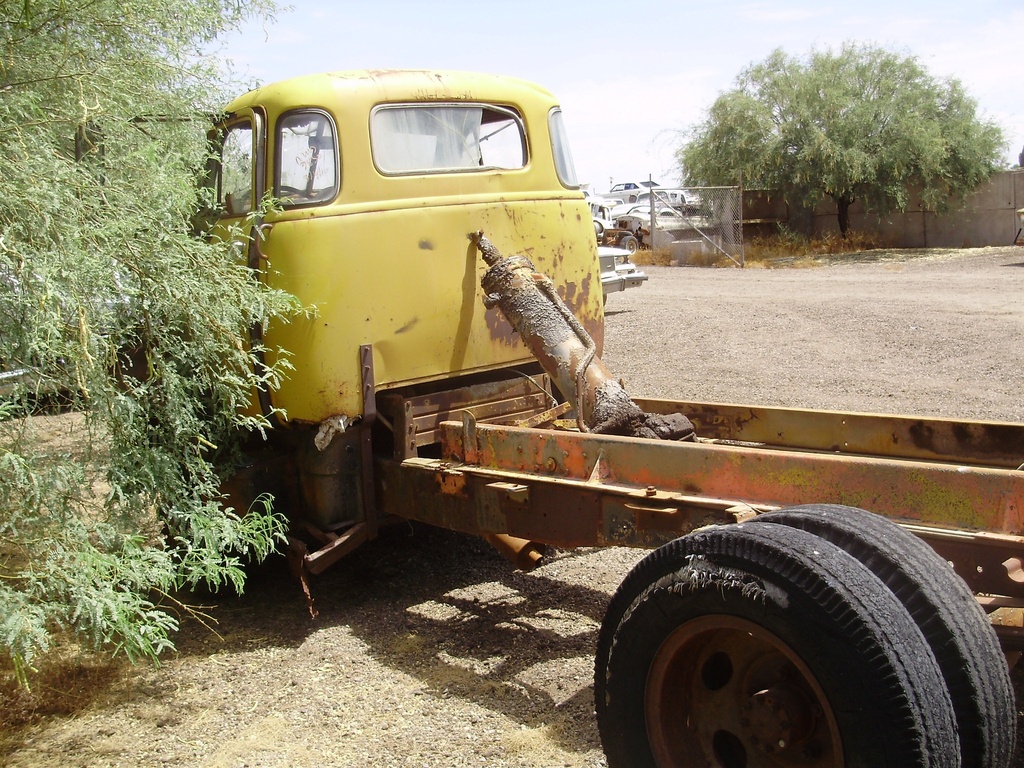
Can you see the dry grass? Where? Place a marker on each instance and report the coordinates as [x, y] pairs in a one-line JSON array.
[[785, 249], [660, 257]]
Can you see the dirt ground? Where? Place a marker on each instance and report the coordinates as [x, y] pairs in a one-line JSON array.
[[429, 649]]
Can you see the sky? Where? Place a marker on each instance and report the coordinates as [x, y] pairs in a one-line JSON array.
[[633, 77]]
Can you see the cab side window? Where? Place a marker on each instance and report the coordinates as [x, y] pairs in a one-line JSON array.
[[235, 183], [307, 167]]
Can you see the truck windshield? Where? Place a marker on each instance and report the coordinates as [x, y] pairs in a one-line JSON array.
[[307, 159], [426, 138]]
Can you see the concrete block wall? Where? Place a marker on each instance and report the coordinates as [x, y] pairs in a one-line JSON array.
[[987, 218]]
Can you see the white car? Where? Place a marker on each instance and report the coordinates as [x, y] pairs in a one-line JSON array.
[[617, 272], [683, 200], [628, 191], [632, 218]]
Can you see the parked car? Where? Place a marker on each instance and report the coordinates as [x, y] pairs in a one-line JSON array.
[[617, 272], [628, 191], [602, 225], [601, 208], [639, 215], [683, 200], [601, 211]]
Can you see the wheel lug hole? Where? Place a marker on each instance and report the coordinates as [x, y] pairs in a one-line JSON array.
[[716, 671]]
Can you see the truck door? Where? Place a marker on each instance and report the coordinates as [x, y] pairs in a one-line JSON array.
[[239, 182]]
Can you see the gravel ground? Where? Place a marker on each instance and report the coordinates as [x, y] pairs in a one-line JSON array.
[[429, 649]]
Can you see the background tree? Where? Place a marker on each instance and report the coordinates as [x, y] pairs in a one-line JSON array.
[[104, 108], [862, 124]]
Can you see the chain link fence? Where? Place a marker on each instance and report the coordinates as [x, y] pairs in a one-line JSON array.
[[696, 225]]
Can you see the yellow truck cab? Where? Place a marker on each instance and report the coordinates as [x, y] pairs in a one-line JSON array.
[[379, 177]]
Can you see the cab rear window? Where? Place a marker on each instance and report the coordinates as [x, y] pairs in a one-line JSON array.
[[439, 138]]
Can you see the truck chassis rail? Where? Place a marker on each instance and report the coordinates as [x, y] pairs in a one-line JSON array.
[[571, 489]]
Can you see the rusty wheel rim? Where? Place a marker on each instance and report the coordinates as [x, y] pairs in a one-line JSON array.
[[724, 691]]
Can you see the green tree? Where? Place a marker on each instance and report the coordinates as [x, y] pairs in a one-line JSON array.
[[862, 124], [108, 299]]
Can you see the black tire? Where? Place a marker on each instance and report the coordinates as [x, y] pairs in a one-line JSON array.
[[655, 565], [630, 243], [943, 606], [767, 645]]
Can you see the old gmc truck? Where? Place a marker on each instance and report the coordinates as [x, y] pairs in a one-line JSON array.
[[451, 373]]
